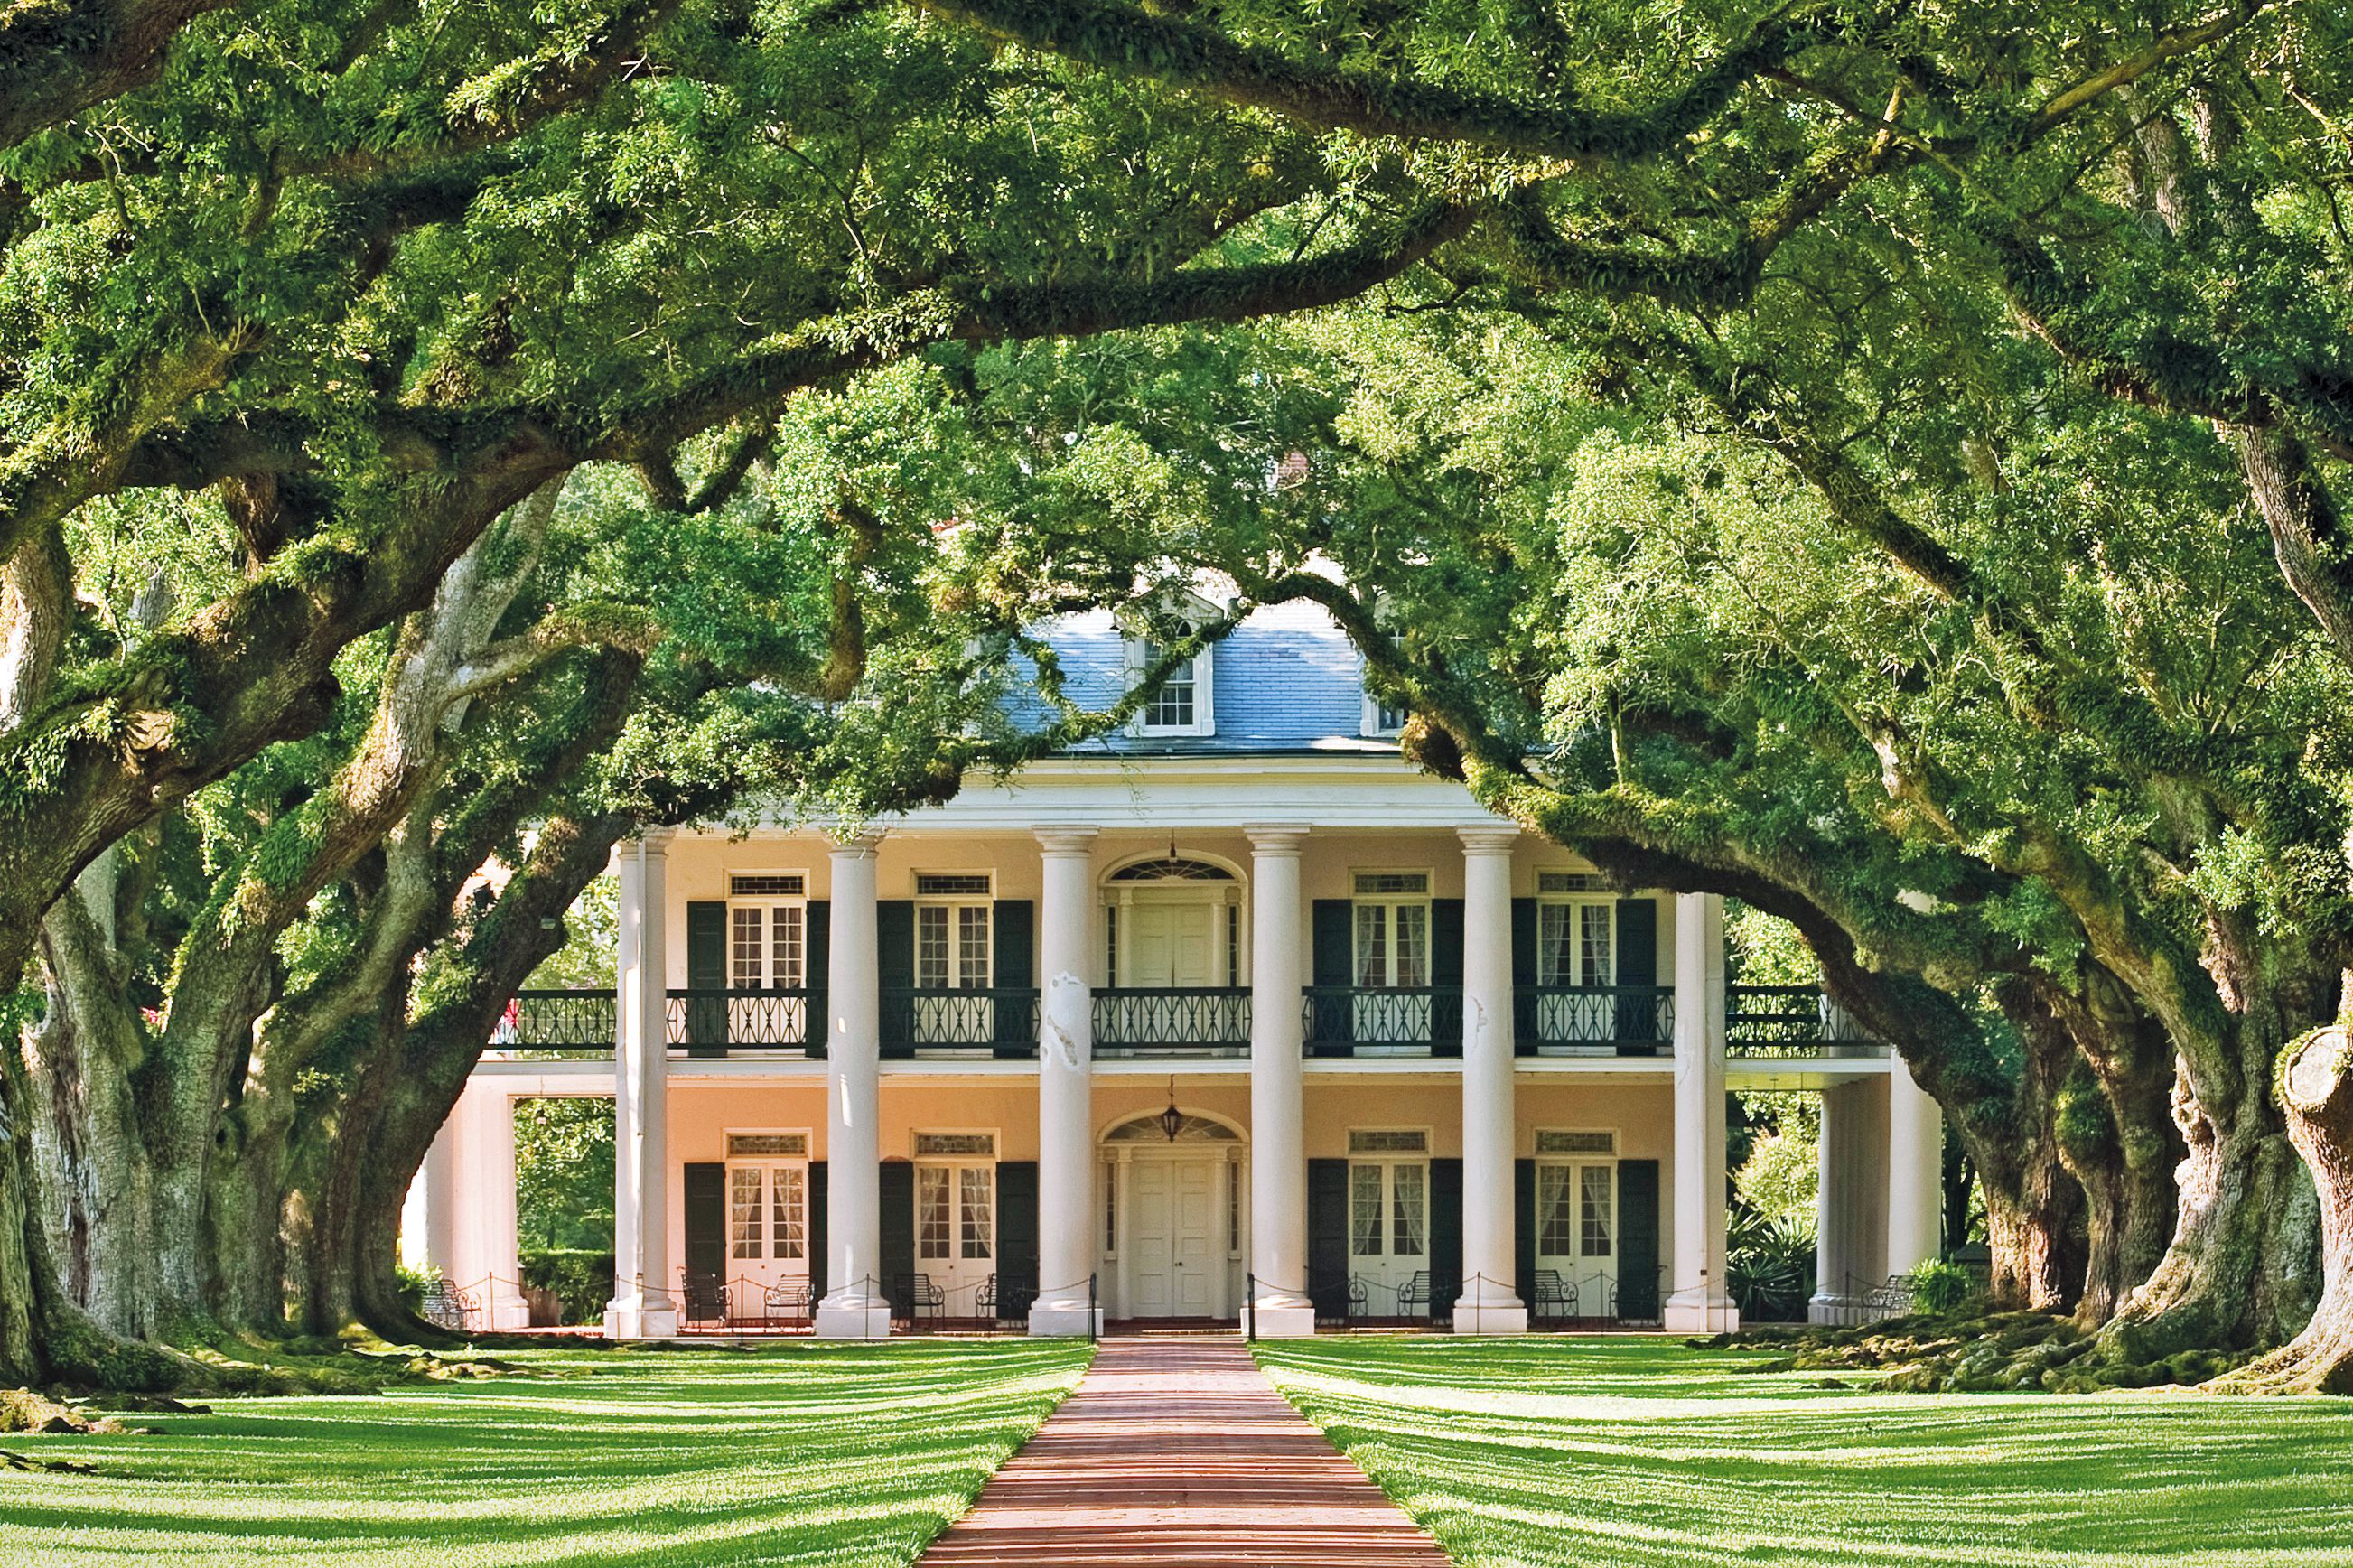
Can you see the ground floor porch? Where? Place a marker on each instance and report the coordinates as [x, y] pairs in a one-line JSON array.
[[1169, 1200]]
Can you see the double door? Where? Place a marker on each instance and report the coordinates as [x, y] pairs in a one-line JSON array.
[[1576, 1230], [956, 1230], [1175, 1256], [1388, 1234]]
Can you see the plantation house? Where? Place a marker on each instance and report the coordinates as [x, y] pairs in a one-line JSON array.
[[1235, 1012]]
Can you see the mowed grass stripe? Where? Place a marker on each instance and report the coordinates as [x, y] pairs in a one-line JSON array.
[[1640, 1453], [843, 1457]]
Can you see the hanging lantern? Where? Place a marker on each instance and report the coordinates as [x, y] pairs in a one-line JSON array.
[[1172, 1120]]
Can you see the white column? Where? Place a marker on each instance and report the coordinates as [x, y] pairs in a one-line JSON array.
[[1842, 1172], [1700, 1304], [1489, 1303], [428, 1219], [629, 916], [1066, 1044], [855, 1308], [1122, 1181], [505, 1307], [644, 1309], [1916, 1172], [1278, 1131]]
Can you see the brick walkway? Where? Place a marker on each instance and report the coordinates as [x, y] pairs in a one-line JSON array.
[[1177, 1452]]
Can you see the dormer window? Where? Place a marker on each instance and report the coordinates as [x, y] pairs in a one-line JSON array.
[[1181, 704], [1381, 721]]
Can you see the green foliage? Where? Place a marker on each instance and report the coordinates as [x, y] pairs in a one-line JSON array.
[[580, 1279], [1939, 1285], [564, 1176], [1769, 1268]]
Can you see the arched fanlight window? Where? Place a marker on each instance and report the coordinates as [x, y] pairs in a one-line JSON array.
[[1172, 869], [1189, 1130]]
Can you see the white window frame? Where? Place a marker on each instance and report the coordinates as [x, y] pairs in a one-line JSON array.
[[766, 902], [952, 903], [1426, 899], [1191, 611], [768, 1164], [1607, 902], [1374, 726], [952, 1163], [1574, 1163], [1389, 1159]]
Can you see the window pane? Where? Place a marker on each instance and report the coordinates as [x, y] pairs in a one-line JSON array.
[[931, 944], [1111, 1208], [1172, 705], [1372, 944], [1412, 944], [743, 1211], [1555, 957], [744, 925], [788, 1201], [785, 945], [931, 1211], [1555, 1236], [1233, 1208], [1593, 1209], [977, 1213], [1408, 1189], [972, 945], [1593, 943], [1365, 1210]]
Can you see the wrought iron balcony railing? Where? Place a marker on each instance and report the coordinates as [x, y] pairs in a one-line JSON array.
[[762, 1018], [960, 1021], [1594, 1020], [1383, 1020], [1769, 1021], [571, 1023], [1172, 1020]]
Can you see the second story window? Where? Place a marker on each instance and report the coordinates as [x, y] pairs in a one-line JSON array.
[[1173, 707]]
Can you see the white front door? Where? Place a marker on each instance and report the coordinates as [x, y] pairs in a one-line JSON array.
[[1177, 1261], [956, 1231]]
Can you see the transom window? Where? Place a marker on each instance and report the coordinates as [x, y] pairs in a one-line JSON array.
[[792, 1143], [1570, 882], [948, 1143], [1172, 869], [1387, 1141], [952, 884], [1549, 1141], [767, 885]]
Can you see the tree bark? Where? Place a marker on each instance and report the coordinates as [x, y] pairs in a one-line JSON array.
[[2315, 1085]]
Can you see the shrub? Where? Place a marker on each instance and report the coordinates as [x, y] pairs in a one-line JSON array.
[[413, 1283], [1939, 1285], [581, 1280], [1768, 1269]]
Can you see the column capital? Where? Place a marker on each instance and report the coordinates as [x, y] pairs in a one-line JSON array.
[[1489, 838], [858, 847], [652, 841], [1275, 838], [1072, 840]]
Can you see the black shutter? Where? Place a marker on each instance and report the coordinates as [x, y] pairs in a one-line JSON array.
[[1446, 977], [1016, 970], [1017, 1237], [1638, 965], [820, 1232], [894, 970], [1523, 975], [816, 972], [1523, 1233], [899, 1235], [1638, 1240], [706, 1217], [706, 974], [1328, 1030], [1327, 1238], [1445, 1237]]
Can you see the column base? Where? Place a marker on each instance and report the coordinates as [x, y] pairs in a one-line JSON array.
[[1274, 1322], [509, 1312], [1832, 1310], [1508, 1316], [1064, 1320], [852, 1315], [632, 1317], [1700, 1313]]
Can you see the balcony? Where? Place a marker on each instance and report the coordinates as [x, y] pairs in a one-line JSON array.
[[1172, 1021], [1594, 1020], [1765, 1022], [1371, 1021], [559, 1024], [767, 1018], [958, 1022]]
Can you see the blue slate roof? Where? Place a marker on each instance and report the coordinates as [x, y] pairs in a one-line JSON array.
[[1286, 680]]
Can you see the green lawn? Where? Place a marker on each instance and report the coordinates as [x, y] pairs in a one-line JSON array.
[[1618, 1452], [804, 1454]]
